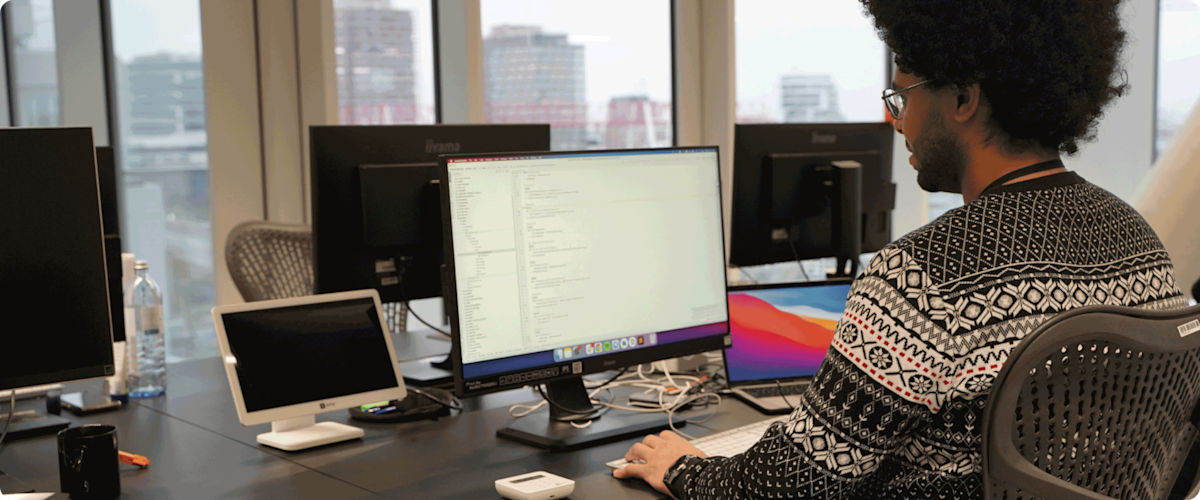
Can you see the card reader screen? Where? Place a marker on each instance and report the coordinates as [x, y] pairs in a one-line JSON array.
[[309, 353]]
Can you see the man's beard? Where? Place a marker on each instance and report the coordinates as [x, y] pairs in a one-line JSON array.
[[942, 159]]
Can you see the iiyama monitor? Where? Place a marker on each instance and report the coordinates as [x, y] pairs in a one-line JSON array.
[[569, 263], [794, 198], [376, 209]]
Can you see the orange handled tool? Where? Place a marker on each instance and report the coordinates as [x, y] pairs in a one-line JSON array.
[[131, 459]]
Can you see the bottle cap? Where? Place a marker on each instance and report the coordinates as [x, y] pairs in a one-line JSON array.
[[141, 264]]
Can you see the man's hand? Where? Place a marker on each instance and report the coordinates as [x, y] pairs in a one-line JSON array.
[[656, 454]]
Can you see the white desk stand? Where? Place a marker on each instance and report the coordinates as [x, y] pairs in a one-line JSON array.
[[304, 432]]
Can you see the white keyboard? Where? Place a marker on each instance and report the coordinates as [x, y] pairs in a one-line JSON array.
[[727, 443], [28, 392]]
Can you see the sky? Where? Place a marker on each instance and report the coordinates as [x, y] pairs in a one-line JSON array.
[[808, 37], [145, 27]]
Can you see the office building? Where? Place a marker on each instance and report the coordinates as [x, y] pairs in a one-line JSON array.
[[535, 77], [809, 99], [375, 59], [637, 122], [35, 99]]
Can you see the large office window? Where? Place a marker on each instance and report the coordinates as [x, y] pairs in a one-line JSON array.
[[384, 61], [808, 62], [1178, 67], [813, 62], [163, 154], [29, 38], [598, 73]]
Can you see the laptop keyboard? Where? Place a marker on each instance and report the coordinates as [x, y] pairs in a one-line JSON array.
[[725, 444], [769, 391]]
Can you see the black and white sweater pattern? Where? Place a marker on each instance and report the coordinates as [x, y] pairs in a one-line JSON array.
[[895, 410]]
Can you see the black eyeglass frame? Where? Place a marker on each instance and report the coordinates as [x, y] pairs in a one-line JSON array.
[[893, 100]]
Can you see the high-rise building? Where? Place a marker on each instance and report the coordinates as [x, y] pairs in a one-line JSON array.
[[809, 99], [33, 65], [637, 122], [375, 63], [166, 96], [535, 77]]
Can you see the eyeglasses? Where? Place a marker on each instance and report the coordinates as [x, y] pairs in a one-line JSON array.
[[894, 100]]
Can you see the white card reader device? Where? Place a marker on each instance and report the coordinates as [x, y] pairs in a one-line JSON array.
[[539, 485]]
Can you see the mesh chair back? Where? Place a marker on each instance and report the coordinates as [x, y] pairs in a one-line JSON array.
[[397, 316], [1099, 402], [270, 261]]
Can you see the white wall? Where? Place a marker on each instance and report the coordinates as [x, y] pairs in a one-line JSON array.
[[234, 140], [1169, 197], [1124, 148]]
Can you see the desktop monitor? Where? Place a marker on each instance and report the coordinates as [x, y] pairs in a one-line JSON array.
[[794, 196], [290, 359], [52, 259], [106, 170], [376, 209], [566, 264]]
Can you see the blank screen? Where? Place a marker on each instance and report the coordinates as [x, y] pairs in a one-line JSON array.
[[308, 353], [57, 325]]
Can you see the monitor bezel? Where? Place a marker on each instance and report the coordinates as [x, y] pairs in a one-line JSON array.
[[308, 407], [574, 367]]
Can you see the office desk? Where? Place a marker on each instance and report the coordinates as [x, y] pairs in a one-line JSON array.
[[455, 457], [186, 462]]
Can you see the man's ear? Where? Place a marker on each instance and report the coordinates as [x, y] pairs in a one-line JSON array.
[[966, 102]]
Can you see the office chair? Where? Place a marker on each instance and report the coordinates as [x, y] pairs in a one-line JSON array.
[[269, 260], [1098, 402]]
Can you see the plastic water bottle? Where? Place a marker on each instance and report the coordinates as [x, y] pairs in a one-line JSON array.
[[146, 351]]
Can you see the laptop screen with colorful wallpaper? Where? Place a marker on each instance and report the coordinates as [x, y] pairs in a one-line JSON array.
[[782, 332]]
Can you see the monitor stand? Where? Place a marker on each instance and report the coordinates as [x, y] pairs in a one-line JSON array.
[[304, 432], [29, 423], [557, 434]]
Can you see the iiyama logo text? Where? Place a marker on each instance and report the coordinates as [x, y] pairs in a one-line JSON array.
[[441, 147], [819, 138]]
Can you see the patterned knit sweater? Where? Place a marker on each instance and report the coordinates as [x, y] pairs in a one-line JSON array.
[[895, 411]]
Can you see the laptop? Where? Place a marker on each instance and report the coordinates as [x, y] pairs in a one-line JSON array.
[[781, 333]]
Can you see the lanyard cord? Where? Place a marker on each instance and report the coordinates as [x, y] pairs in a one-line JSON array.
[[1021, 172]]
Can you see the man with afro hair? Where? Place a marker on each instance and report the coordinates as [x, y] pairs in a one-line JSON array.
[[987, 94]]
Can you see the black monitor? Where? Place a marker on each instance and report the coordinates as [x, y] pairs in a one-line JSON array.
[[376, 209], [571, 263], [794, 194], [52, 261], [106, 170]]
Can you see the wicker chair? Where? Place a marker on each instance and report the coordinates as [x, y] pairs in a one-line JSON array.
[[269, 260], [1099, 402]]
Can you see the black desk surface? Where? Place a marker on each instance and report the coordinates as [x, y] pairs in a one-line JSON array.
[[199, 449]]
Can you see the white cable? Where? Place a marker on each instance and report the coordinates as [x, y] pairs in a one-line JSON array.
[[641, 381], [531, 409]]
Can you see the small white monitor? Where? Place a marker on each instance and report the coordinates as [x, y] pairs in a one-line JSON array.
[[290, 359]]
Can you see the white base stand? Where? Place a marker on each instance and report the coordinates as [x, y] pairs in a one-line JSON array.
[[304, 432]]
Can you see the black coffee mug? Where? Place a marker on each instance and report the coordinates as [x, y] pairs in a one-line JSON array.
[[87, 462]]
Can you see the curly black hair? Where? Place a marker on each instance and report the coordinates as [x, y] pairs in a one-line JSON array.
[[1047, 68]]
